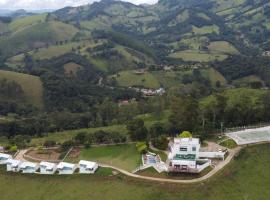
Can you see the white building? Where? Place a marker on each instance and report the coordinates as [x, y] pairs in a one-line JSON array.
[[87, 167], [13, 165], [184, 156], [4, 158], [28, 167], [47, 168], [66, 168]]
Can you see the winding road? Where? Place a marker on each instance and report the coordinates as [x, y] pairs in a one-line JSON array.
[[232, 153]]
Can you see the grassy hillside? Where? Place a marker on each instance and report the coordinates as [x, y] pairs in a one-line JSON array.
[[36, 35], [31, 85], [24, 22], [130, 78], [244, 178], [125, 156], [198, 56], [61, 137]]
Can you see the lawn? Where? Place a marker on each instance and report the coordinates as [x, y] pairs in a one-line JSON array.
[[63, 136], [198, 56], [124, 156], [129, 78], [72, 68], [31, 85], [229, 144], [246, 177]]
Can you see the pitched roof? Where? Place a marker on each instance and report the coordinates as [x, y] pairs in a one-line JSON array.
[[28, 164], [13, 162], [88, 164], [2, 155], [47, 165], [61, 165]]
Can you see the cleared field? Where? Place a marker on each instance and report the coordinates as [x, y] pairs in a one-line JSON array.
[[246, 177], [199, 56], [129, 78], [222, 47], [60, 137], [72, 68], [31, 85], [173, 78], [214, 76], [205, 30], [54, 50], [16, 61], [124, 156]]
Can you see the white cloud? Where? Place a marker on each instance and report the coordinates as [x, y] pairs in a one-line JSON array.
[[53, 4]]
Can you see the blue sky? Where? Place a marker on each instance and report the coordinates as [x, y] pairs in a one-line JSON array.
[[53, 4]]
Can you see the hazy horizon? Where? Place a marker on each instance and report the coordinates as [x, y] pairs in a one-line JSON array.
[[54, 4]]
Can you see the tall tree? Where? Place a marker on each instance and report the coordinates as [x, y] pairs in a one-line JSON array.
[[185, 113]]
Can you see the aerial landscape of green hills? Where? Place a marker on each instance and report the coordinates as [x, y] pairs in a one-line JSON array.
[[105, 79]]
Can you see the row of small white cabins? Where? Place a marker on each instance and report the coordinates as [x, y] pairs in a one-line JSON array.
[[85, 167]]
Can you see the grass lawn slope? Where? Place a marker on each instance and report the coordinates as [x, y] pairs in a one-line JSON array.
[[246, 177], [123, 156], [31, 85]]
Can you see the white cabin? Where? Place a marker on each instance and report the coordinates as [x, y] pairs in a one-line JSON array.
[[4, 158], [66, 168], [47, 168], [87, 167], [13, 165], [29, 167]]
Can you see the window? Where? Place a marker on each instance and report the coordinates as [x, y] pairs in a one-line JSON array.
[[183, 148], [193, 148]]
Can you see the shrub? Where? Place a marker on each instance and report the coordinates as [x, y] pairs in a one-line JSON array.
[[185, 134], [13, 148], [141, 147]]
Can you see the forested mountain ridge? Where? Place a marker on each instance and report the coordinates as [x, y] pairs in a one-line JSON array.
[[85, 60]]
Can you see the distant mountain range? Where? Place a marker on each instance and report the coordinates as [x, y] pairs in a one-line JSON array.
[[22, 12], [170, 32]]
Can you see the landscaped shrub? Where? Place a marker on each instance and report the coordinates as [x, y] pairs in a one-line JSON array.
[[185, 134], [141, 147]]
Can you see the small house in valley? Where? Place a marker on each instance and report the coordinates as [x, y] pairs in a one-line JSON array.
[[87, 167], [66, 168], [13, 165], [4, 158], [28, 167], [47, 168]]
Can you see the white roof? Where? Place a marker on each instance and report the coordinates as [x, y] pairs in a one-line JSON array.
[[193, 141], [61, 165], [47, 165], [13, 162], [88, 164], [2, 155], [28, 164]]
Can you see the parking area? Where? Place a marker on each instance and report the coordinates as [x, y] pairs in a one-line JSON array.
[[251, 136]]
